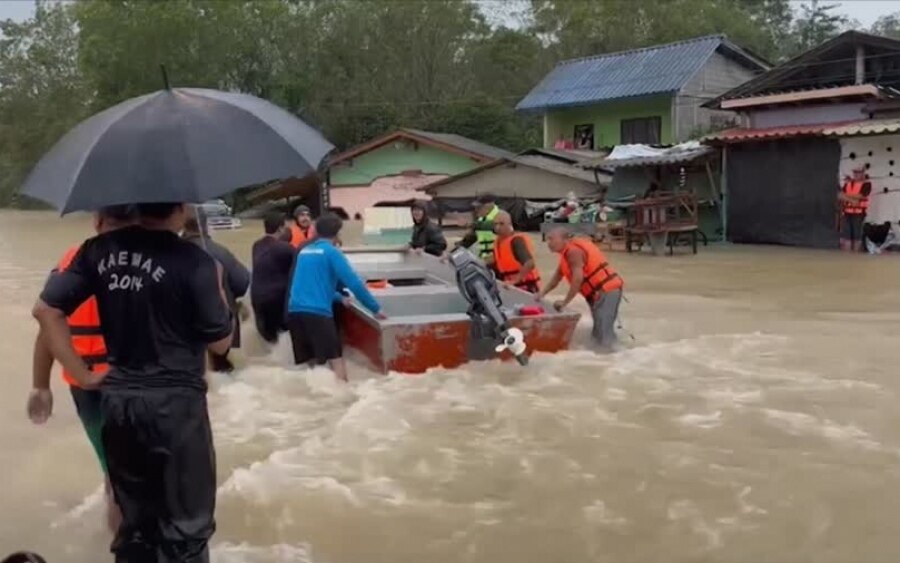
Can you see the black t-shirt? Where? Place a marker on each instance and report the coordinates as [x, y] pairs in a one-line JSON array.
[[159, 304], [272, 264]]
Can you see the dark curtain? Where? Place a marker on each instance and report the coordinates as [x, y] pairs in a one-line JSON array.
[[784, 192]]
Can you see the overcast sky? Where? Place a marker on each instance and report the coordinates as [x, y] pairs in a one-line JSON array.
[[865, 11]]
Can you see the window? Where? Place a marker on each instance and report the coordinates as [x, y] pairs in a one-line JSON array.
[[584, 137], [646, 130]]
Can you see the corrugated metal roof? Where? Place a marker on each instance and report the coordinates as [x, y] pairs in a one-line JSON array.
[[796, 72], [768, 133], [854, 128], [641, 72], [673, 157], [863, 128], [464, 143], [570, 156], [557, 167], [544, 163]]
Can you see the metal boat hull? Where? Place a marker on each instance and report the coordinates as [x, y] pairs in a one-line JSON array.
[[427, 325]]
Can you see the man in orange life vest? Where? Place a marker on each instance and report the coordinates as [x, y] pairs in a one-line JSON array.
[[87, 338], [585, 267], [301, 227], [854, 200], [513, 257]]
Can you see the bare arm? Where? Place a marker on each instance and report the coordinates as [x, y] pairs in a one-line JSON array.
[[42, 362], [551, 285], [526, 269], [576, 266], [40, 400], [221, 347]]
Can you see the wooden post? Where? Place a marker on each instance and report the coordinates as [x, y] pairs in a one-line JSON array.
[[723, 185], [860, 64]]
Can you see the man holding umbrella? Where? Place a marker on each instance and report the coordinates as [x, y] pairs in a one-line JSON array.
[[161, 299], [162, 305]]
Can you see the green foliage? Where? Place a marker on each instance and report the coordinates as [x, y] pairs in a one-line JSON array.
[[41, 91], [888, 26], [816, 25], [353, 68]]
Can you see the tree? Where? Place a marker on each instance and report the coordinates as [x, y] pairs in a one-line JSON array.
[[42, 94], [816, 25], [577, 28], [888, 26]]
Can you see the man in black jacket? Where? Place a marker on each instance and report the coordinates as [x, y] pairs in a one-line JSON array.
[[426, 236], [237, 278], [273, 260]]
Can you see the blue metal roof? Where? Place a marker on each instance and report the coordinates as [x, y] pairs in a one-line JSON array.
[[661, 69]]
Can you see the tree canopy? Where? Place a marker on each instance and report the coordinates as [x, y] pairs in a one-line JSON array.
[[353, 68]]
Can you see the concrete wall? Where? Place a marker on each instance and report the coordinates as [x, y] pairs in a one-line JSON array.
[[607, 119], [717, 76], [389, 189], [391, 160], [516, 181], [882, 156], [806, 115]]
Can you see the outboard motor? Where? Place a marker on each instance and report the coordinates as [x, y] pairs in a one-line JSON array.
[[479, 288]]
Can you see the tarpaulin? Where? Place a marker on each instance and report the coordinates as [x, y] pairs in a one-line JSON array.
[[784, 192]]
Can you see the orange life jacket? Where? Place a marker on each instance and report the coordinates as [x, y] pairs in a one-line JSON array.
[[298, 237], [598, 274], [508, 267], [854, 187], [84, 324]]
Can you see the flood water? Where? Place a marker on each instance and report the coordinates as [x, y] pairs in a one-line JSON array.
[[754, 417]]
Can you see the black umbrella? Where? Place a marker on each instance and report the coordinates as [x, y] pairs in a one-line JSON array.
[[180, 145]]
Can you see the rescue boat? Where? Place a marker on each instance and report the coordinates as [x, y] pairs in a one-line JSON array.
[[427, 322]]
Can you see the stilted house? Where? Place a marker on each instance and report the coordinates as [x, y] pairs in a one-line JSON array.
[[809, 123]]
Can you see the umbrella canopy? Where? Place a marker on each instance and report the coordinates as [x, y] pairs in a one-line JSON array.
[[179, 145]]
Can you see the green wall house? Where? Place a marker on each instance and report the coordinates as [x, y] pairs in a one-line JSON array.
[[390, 169], [652, 95]]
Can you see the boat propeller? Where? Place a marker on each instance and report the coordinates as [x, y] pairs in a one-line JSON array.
[[514, 341]]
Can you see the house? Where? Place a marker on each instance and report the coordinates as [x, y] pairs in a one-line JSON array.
[[810, 122], [390, 169], [652, 95], [534, 175], [526, 176]]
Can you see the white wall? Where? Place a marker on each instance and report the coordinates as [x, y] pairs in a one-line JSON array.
[[806, 115], [883, 171]]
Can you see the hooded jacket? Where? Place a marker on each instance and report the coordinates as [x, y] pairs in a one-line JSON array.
[[426, 235]]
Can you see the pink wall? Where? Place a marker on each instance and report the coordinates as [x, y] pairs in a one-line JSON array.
[[386, 189]]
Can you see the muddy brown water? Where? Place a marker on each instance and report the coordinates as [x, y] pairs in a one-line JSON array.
[[753, 418]]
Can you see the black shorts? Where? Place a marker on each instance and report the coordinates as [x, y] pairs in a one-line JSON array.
[[314, 338], [269, 317], [852, 227]]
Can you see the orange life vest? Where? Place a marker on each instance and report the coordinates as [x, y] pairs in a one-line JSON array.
[[598, 274], [298, 237], [854, 187], [508, 267], [84, 324]]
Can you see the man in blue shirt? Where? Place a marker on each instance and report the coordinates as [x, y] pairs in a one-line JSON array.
[[320, 270]]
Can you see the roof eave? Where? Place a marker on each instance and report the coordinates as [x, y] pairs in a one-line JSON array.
[[786, 67], [545, 108], [388, 138]]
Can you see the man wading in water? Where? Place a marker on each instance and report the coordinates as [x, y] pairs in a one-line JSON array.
[[87, 339], [162, 305]]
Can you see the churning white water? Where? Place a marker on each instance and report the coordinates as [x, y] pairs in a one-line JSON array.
[[753, 418]]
